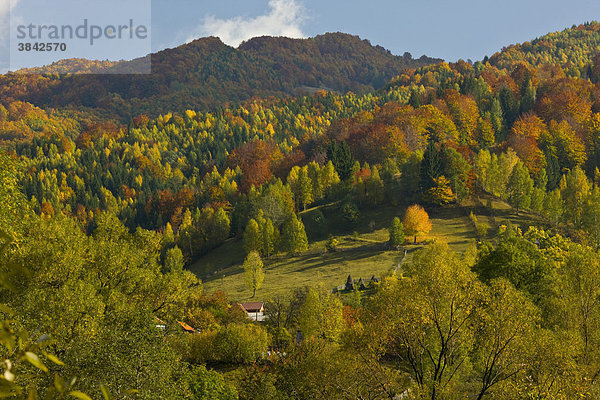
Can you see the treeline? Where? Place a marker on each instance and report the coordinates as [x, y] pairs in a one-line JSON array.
[[573, 48], [415, 141], [206, 73], [574, 200]]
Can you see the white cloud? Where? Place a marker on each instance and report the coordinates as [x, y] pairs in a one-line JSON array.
[[4, 13], [283, 18], [5, 7]]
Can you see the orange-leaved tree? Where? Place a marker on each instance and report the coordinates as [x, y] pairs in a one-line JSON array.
[[416, 221]]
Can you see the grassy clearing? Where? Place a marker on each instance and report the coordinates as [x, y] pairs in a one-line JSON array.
[[285, 273], [361, 252], [453, 226], [506, 215]]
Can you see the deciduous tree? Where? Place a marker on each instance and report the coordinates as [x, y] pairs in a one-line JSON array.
[[416, 221], [253, 272]]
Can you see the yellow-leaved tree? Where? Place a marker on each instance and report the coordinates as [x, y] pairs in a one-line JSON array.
[[416, 221], [254, 273]]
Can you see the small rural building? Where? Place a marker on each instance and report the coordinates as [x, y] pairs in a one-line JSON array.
[[349, 283], [361, 284], [160, 324], [186, 328], [255, 310]]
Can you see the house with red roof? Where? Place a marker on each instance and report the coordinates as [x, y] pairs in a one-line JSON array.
[[255, 310], [186, 327]]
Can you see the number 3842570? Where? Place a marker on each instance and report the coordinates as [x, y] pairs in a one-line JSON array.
[[26, 46]]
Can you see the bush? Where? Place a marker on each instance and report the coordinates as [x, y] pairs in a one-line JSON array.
[[237, 343], [396, 231], [241, 343], [350, 212], [206, 384], [332, 244], [482, 229], [282, 338], [372, 226], [315, 224], [202, 346]]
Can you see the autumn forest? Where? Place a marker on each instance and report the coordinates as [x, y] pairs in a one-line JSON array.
[[412, 228]]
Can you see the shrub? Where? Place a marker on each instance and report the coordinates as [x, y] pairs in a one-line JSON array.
[[241, 343], [350, 212], [332, 244]]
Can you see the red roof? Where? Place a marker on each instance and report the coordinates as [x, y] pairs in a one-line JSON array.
[[186, 327], [255, 306]]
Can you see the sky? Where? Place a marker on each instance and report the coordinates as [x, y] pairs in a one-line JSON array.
[[467, 29]]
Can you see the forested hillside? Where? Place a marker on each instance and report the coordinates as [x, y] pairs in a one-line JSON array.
[[206, 73], [572, 48], [103, 223]]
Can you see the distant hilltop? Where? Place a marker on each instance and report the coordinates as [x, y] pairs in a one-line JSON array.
[[206, 72]]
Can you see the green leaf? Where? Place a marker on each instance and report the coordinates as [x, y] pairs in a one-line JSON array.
[[35, 361], [59, 383], [72, 383], [32, 394], [8, 389], [130, 392], [6, 309], [53, 358], [79, 395], [105, 392]]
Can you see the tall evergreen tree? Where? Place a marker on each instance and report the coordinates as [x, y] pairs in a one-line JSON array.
[[374, 187], [552, 170], [431, 166], [341, 157], [396, 232], [574, 188], [497, 119], [528, 97], [591, 216], [553, 206], [415, 99], [268, 238], [520, 187], [305, 188]]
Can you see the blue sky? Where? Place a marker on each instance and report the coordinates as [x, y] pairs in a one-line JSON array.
[[468, 29], [441, 28]]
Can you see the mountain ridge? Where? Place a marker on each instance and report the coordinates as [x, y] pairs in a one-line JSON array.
[[572, 47], [206, 73]]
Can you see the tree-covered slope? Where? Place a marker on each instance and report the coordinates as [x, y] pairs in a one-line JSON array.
[[206, 73], [573, 47]]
